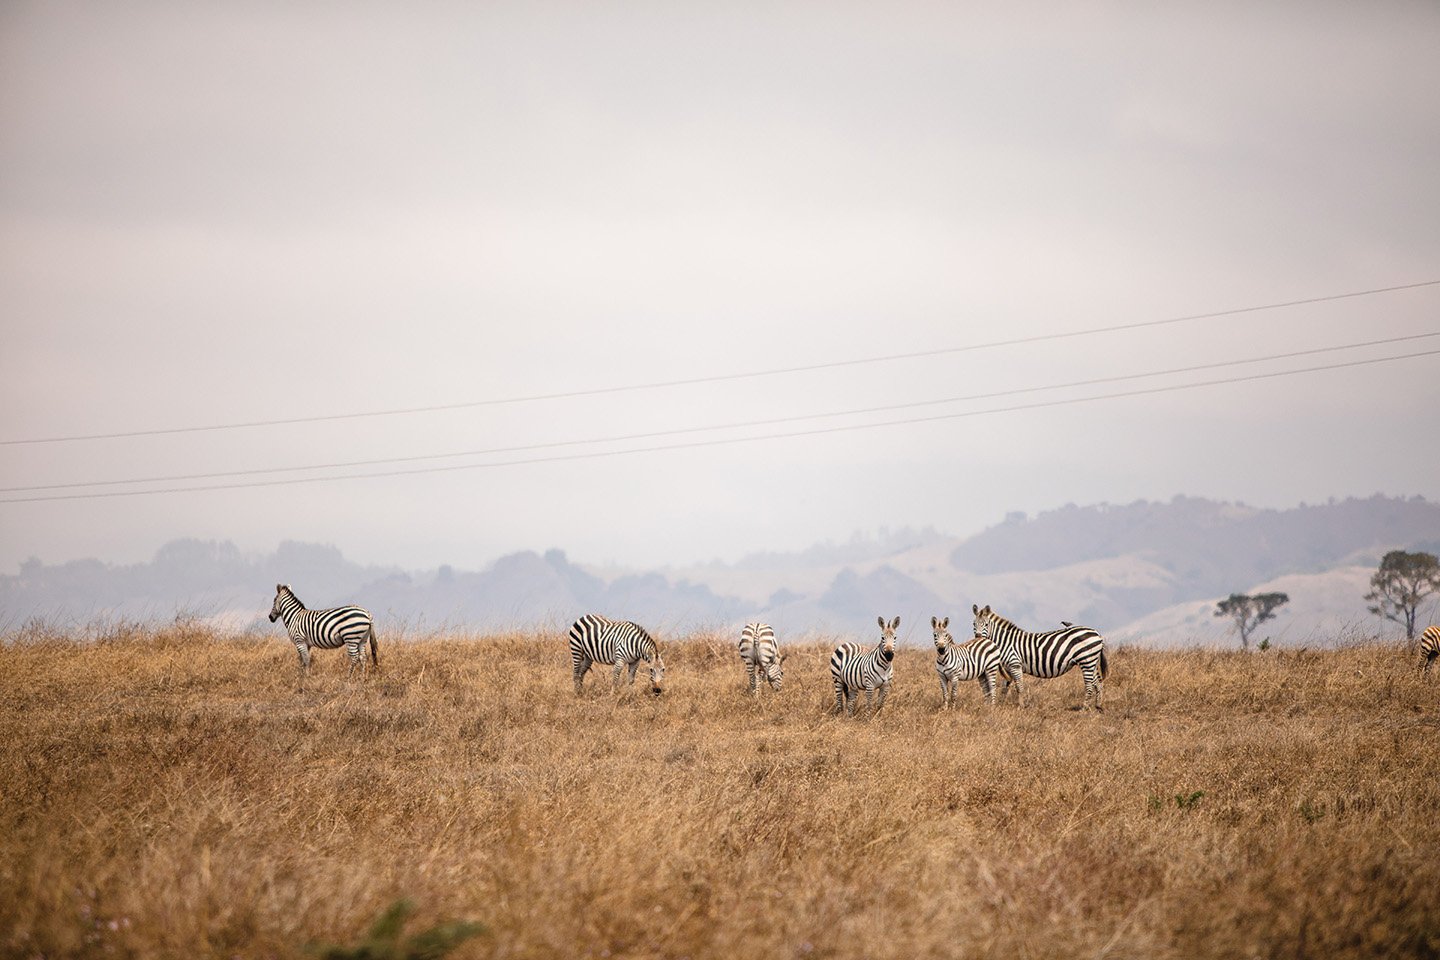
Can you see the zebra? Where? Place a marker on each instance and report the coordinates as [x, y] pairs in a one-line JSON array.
[[1429, 648], [855, 668], [597, 639], [1048, 654], [760, 653], [977, 659], [326, 629]]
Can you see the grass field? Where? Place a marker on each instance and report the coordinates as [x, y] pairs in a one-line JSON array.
[[170, 793]]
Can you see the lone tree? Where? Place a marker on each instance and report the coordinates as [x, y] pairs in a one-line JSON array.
[[1403, 581], [1249, 612]]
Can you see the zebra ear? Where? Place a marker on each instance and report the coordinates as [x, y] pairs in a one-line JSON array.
[[279, 588], [975, 609], [895, 623], [945, 624], [934, 623], [881, 621]]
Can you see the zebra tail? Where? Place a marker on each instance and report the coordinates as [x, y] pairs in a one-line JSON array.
[[1104, 665], [375, 650]]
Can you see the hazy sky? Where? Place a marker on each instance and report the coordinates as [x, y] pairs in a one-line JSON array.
[[219, 213]]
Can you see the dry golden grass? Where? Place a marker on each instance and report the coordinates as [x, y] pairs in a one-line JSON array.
[[172, 794]]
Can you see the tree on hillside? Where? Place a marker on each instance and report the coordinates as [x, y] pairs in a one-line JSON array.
[[1403, 581], [1249, 612]]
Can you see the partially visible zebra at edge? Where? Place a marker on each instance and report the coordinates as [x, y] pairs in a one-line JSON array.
[[760, 652], [976, 659], [1044, 655], [596, 639], [348, 626], [853, 668], [1429, 648]]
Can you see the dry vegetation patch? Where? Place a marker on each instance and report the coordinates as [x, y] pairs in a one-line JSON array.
[[172, 793]]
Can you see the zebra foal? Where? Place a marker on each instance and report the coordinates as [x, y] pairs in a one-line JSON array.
[[596, 639], [977, 659], [1045, 655], [854, 668], [349, 627], [760, 652], [1429, 648]]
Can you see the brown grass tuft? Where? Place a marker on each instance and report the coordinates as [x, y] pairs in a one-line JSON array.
[[171, 793]]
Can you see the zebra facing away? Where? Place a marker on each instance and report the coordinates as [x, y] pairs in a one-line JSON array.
[[597, 639], [349, 627], [1047, 654], [1429, 648], [761, 654], [854, 669], [977, 659]]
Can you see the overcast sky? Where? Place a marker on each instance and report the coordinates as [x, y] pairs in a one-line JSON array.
[[221, 213]]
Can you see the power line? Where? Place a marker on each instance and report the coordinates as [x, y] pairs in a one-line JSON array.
[[773, 421], [818, 431], [722, 378]]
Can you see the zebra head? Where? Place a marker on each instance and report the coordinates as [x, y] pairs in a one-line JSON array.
[[281, 589], [887, 638], [657, 675], [775, 671], [984, 622], [941, 629]]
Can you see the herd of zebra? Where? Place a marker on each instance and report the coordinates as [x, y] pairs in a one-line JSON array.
[[997, 648]]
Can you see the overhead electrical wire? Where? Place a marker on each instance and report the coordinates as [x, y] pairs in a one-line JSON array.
[[721, 378], [817, 431], [773, 421]]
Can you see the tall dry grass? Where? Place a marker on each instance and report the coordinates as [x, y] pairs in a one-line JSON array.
[[171, 794]]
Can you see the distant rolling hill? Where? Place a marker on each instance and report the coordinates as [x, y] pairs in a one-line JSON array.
[[1147, 573]]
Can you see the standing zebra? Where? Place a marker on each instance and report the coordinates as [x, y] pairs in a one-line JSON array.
[[855, 668], [326, 629], [597, 639], [977, 659], [1429, 648], [760, 653], [1048, 654]]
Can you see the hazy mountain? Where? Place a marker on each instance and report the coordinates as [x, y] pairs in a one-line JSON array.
[[1144, 572]]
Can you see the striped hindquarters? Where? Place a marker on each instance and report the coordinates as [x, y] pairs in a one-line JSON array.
[[1429, 646], [760, 652]]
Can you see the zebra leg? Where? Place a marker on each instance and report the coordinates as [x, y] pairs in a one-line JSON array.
[[352, 651], [839, 698], [944, 693], [1091, 673], [880, 696], [619, 672], [303, 649], [750, 672], [581, 667]]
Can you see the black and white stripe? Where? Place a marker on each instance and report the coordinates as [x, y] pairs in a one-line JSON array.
[[760, 652], [977, 659], [854, 668], [349, 627], [597, 639], [1048, 654], [1429, 648]]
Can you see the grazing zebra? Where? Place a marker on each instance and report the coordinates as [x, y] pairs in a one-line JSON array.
[[978, 659], [760, 653], [597, 639], [327, 629], [1048, 654], [855, 668], [1429, 648]]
